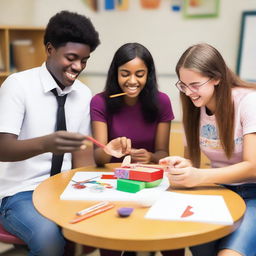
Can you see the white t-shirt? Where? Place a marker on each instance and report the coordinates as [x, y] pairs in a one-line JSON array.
[[28, 109], [245, 123]]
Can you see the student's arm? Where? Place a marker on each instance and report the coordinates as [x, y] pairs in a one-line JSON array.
[[240, 172], [162, 141], [82, 158], [100, 133], [59, 142], [161, 146]]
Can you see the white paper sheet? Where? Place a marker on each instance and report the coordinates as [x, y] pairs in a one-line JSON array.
[[188, 207], [71, 193]]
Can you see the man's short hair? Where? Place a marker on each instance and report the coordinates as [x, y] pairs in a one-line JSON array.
[[67, 26]]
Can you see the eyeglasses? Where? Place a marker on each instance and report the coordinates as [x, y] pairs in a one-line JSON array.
[[193, 87]]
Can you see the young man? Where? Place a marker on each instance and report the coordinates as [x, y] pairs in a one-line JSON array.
[[28, 136]]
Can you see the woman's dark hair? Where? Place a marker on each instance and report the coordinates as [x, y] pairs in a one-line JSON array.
[[68, 26], [148, 96]]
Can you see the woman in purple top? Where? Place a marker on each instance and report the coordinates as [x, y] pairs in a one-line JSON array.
[[143, 114]]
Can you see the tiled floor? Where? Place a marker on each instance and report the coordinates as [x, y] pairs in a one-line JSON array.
[[9, 250]]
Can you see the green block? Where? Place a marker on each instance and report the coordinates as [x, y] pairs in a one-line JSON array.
[[131, 186], [152, 184]]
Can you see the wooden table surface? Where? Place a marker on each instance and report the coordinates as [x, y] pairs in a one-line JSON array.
[[134, 233]]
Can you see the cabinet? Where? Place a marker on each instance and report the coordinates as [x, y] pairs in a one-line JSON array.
[[20, 48]]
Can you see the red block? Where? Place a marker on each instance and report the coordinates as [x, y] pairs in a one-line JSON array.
[[141, 173]]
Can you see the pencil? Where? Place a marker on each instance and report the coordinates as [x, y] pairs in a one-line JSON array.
[[84, 181], [91, 214], [117, 95], [95, 142], [92, 208]]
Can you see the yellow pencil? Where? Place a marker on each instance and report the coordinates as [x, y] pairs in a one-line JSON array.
[[117, 95]]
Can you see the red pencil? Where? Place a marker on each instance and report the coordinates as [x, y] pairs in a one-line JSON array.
[[91, 214], [95, 142]]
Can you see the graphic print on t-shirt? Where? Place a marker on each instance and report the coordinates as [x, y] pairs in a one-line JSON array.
[[209, 137]]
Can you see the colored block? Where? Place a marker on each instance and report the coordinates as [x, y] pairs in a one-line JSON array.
[[108, 177], [146, 174], [122, 173], [140, 173], [153, 184], [131, 186], [154, 166]]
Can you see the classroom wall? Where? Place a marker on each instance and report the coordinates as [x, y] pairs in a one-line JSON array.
[[164, 32]]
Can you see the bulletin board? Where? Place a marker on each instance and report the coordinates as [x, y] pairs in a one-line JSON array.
[[246, 64]]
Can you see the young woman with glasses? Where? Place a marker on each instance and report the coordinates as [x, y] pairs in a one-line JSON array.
[[219, 118]]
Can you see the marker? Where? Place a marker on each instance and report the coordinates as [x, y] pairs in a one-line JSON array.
[[117, 95], [92, 208], [91, 214]]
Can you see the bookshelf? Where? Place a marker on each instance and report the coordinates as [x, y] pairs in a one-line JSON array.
[[20, 48]]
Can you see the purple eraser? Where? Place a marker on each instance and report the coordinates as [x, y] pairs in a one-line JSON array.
[[124, 211]]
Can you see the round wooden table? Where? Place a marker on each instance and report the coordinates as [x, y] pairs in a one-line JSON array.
[[134, 233]]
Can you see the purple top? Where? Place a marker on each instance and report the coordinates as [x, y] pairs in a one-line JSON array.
[[129, 122]]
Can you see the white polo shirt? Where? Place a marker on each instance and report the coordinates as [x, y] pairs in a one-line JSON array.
[[28, 109]]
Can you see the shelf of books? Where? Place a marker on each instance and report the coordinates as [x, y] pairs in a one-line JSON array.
[[20, 48]]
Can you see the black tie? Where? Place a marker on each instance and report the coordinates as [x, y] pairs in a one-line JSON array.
[[60, 125]]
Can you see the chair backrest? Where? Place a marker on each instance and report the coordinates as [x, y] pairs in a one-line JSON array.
[[6, 237]]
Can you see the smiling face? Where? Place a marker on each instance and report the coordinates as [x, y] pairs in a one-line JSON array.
[[66, 62], [132, 77], [205, 95]]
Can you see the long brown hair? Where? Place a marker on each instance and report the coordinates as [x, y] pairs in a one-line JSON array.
[[206, 60]]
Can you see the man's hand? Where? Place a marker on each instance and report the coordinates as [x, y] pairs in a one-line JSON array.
[[61, 142]]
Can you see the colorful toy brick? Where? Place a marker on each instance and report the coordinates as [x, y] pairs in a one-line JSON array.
[[140, 172], [133, 186], [153, 184]]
